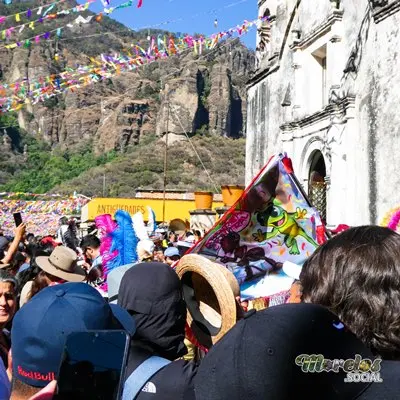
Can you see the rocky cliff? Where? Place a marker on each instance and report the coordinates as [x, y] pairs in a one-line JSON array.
[[199, 93]]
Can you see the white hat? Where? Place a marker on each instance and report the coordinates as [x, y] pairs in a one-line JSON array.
[[292, 270]]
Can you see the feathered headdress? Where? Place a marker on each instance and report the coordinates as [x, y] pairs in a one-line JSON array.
[[106, 227], [140, 227], [151, 223], [145, 246], [124, 240]]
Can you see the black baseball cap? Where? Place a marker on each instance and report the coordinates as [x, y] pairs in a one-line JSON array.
[[263, 356]]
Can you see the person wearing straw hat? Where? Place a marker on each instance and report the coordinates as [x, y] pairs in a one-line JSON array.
[[61, 266], [62, 263]]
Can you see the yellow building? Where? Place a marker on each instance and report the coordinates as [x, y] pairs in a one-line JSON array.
[[176, 206]]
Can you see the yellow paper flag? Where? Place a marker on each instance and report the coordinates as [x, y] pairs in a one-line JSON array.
[[17, 18]]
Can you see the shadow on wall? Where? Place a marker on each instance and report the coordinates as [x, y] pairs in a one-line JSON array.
[[356, 54]]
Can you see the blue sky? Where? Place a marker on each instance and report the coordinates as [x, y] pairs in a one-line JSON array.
[[195, 16]]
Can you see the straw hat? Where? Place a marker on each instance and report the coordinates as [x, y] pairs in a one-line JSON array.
[[210, 291], [62, 263]]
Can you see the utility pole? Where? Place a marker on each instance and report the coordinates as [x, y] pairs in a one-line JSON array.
[[165, 160]]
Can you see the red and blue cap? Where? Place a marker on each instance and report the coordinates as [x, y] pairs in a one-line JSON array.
[[41, 326]]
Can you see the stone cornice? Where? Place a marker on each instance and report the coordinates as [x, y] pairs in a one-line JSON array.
[[335, 16], [258, 77], [335, 110], [381, 13]]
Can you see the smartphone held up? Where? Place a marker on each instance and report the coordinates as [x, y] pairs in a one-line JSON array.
[[93, 366], [17, 219]]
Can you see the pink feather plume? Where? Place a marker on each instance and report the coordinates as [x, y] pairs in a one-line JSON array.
[[106, 226], [394, 221]]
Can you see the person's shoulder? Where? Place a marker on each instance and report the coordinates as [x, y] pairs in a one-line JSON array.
[[179, 375], [25, 292], [174, 381], [187, 368], [27, 286]]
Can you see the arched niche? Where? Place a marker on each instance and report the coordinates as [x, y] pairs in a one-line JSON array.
[[317, 188]]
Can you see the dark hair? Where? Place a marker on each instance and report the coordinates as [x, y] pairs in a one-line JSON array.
[[90, 241], [45, 245], [16, 262], [158, 248], [40, 282], [356, 275], [30, 273], [31, 249], [5, 276]]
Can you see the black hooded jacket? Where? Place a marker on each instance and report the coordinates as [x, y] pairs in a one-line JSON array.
[[152, 294]]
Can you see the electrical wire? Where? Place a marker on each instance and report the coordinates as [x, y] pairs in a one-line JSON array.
[[194, 149]]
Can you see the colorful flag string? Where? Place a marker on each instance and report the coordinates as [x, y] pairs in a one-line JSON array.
[[29, 12], [78, 21], [6, 34], [108, 66], [124, 93]]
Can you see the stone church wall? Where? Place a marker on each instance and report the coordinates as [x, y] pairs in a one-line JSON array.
[[354, 122]]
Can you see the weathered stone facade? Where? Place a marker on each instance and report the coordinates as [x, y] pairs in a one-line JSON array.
[[326, 92]]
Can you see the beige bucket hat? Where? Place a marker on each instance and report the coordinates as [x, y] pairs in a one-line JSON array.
[[62, 263], [210, 292]]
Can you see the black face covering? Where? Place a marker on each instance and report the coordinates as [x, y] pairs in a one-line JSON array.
[[152, 293]]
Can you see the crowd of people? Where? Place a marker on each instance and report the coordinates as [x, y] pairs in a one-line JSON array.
[[344, 305]]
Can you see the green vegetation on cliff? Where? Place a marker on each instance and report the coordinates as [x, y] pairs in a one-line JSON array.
[[41, 169], [143, 167]]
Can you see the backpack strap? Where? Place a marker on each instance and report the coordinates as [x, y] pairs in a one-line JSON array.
[[139, 377]]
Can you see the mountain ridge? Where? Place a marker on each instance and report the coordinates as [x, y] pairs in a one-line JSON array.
[[203, 96]]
